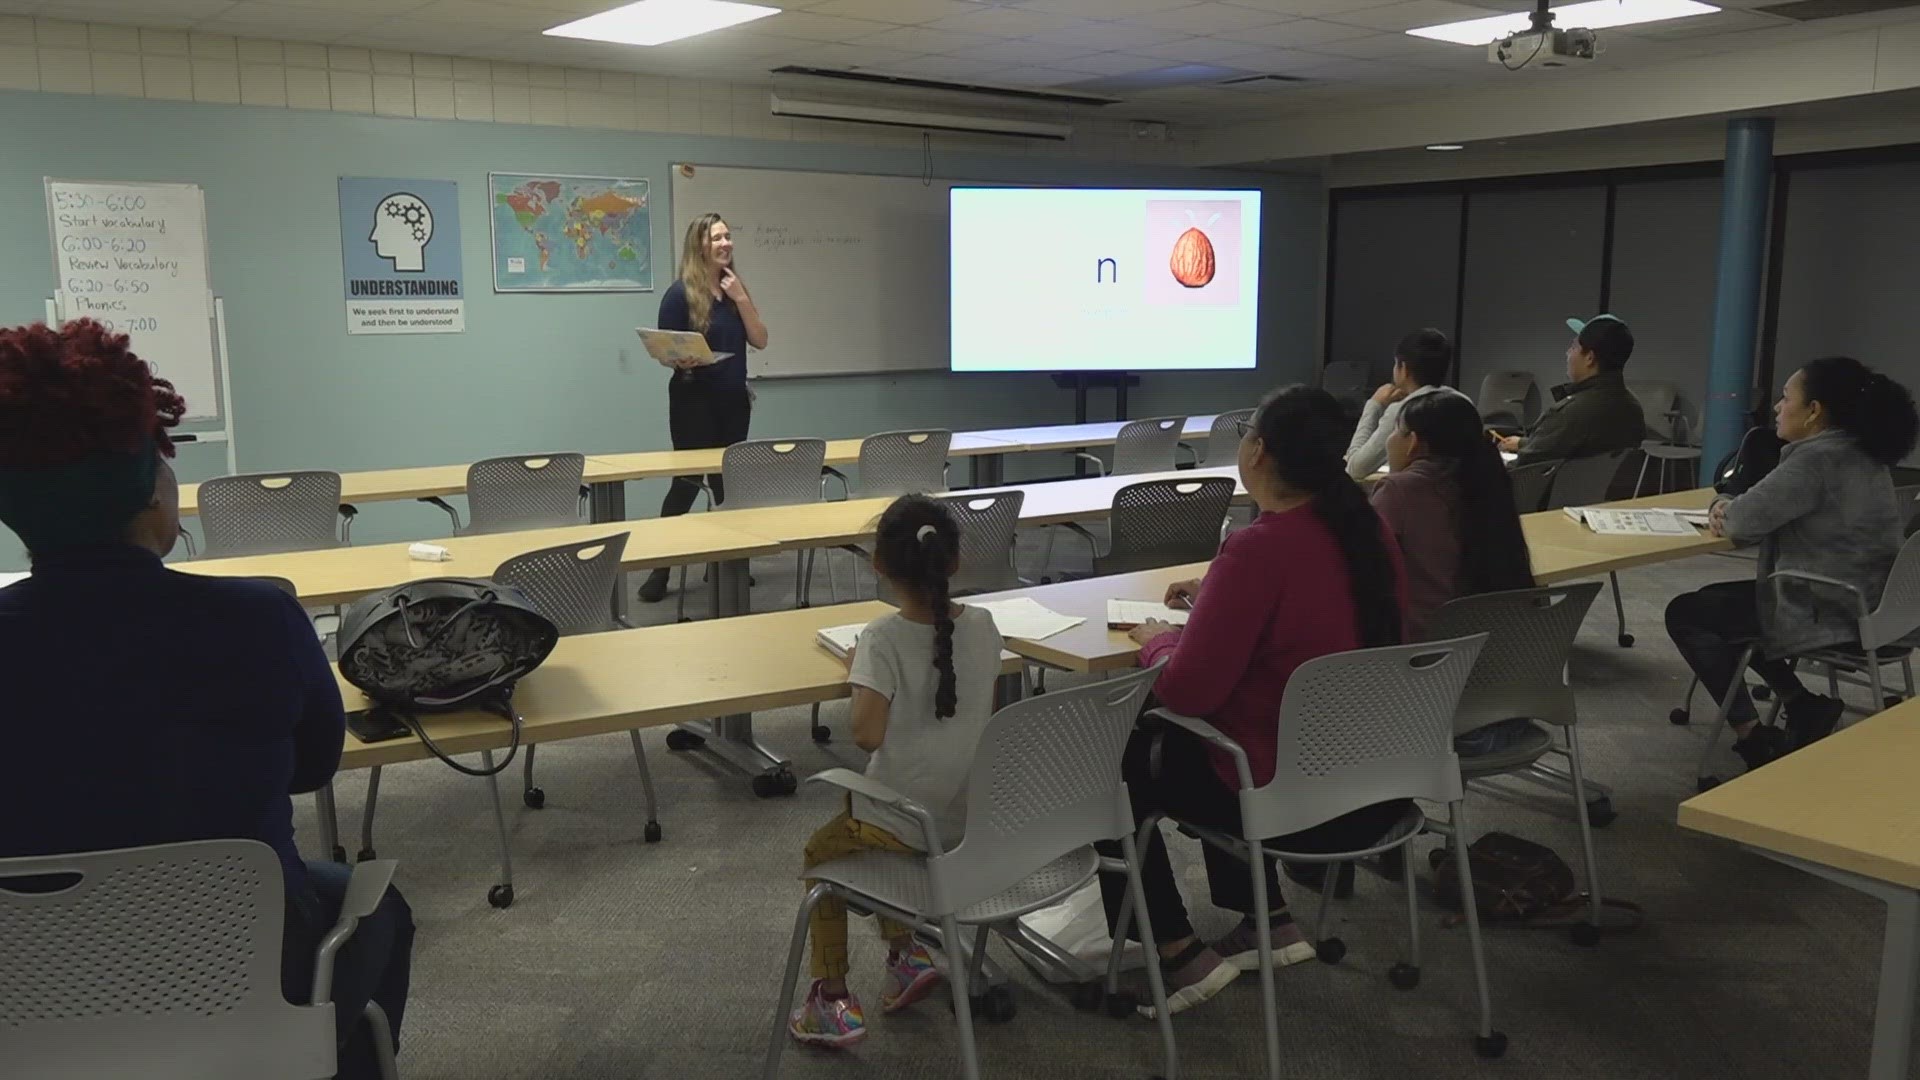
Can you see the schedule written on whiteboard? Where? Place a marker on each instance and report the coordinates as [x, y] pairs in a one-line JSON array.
[[134, 257]]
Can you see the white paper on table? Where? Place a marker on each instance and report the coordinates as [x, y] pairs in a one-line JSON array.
[[840, 640], [10, 577], [1607, 522], [1691, 517], [1026, 618], [1127, 614]]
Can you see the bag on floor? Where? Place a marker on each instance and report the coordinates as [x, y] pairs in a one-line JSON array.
[[1078, 925], [1520, 883], [441, 644]]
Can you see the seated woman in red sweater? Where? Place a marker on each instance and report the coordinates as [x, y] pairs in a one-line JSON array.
[[1314, 574]]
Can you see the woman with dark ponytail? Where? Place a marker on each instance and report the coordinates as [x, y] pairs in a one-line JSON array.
[[922, 692], [1449, 502], [1315, 573], [1828, 508]]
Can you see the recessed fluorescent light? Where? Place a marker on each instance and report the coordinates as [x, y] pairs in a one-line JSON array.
[[656, 22], [1444, 146], [1592, 15]]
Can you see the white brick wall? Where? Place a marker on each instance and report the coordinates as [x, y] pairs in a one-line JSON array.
[[57, 56]]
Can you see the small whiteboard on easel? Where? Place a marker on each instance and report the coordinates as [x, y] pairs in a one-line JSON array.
[[134, 257]]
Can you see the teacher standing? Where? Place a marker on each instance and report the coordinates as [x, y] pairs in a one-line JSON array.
[[707, 406]]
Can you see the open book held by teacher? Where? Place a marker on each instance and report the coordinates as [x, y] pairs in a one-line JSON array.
[[678, 348]]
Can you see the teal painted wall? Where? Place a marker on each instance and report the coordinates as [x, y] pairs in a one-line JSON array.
[[538, 372]]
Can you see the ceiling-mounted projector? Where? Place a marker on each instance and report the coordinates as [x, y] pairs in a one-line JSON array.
[[1543, 48]]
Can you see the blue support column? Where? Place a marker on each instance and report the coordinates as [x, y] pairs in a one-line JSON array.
[[1736, 305]]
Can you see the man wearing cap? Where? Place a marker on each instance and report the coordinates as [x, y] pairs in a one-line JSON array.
[[1599, 414]]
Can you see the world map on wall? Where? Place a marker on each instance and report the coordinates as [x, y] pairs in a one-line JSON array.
[[565, 233]]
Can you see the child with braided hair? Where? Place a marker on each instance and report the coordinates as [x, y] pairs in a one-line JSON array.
[[923, 682]]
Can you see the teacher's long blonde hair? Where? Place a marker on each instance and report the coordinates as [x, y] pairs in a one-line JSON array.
[[696, 270]]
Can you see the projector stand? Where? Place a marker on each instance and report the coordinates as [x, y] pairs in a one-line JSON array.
[[1080, 381]]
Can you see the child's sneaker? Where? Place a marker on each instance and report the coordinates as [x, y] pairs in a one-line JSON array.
[[910, 976], [825, 1021]]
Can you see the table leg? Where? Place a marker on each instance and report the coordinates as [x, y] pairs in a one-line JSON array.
[[608, 502], [988, 470], [1899, 988], [731, 738], [329, 823], [1893, 1013]]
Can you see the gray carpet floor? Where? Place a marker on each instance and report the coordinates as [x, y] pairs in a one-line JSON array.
[[625, 959]]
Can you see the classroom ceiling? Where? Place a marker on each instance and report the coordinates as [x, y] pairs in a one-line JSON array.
[[1164, 59]]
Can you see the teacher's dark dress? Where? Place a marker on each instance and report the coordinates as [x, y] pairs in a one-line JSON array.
[[706, 407]]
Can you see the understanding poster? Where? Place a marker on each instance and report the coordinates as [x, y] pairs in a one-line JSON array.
[[400, 245]]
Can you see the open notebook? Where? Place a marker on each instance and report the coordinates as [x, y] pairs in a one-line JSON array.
[[1637, 522], [1127, 614], [1020, 617]]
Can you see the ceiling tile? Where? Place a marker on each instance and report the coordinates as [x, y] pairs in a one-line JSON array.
[[336, 7], [1386, 46], [1197, 50], [1285, 61], [1299, 32], [1036, 76], [922, 39], [1104, 9], [1107, 36], [468, 13], [1320, 9], [806, 24], [1110, 63], [1406, 16], [857, 57], [952, 67], [1024, 51], [905, 12], [1005, 21], [1207, 18]]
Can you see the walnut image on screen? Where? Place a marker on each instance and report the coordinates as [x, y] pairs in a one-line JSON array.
[[1192, 259]]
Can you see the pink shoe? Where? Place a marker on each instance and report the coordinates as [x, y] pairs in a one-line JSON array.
[[910, 977], [830, 1022]]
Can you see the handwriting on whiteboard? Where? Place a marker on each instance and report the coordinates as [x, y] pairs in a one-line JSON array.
[[779, 237]]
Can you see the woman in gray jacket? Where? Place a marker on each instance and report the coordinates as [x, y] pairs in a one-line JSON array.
[[1828, 509]]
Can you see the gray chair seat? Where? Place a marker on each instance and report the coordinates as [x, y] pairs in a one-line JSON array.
[[1410, 825], [1527, 750], [902, 881]]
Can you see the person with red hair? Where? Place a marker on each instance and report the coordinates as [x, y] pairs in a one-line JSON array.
[[150, 706]]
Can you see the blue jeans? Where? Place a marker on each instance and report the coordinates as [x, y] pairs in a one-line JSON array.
[[374, 965]]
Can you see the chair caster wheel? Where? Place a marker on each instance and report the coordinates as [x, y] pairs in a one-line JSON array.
[[1626, 641], [684, 740], [775, 782], [1679, 718], [500, 896], [996, 1004], [534, 797], [1088, 997], [1706, 783], [1403, 976], [1122, 1006], [1762, 692], [1585, 935], [684, 619], [1891, 700], [1600, 812], [822, 734], [1331, 951], [365, 854], [339, 854], [1490, 1046], [652, 832], [1393, 865]]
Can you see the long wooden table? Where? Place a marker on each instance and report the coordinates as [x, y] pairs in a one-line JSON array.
[[605, 472], [1846, 809], [1564, 549]]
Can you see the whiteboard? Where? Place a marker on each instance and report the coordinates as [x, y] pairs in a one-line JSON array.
[[134, 256], [849, 271]]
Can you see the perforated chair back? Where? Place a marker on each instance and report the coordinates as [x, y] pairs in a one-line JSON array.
[[903, 463], [1583, 481], [157, 962], [264, 513], [1045, 781], [772, 472], [1898, 613], [1906, 500], [1223, 438], [1522, 670], [1360, 728], [1159, 523], [987, 521], [537, 491], [1344, 378], [1531, 484], [1147, 446], [1509, 395], [1659, 404], [572, 584]]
